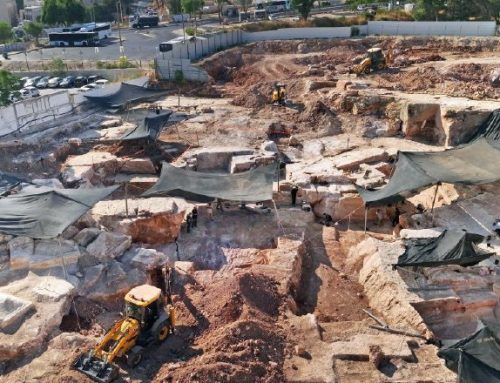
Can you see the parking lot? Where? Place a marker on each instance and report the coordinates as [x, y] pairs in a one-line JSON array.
[[138, 45]]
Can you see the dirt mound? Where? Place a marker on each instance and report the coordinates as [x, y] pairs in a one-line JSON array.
[[257, 96], [241, 341], [243, 351]]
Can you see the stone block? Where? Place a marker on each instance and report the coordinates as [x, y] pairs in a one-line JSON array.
[[12, 309], [358, 347], [70, 232], [137, 166], [269, 146], [46, 253], [52, 290], [147, 259], [110, 123], [109, 245], [184, 267], [242, 163], [87, 235], [353, 159]]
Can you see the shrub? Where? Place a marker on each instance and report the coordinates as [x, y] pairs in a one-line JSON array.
[[394, 15], [179, 77], [57, 66], [190, 31]]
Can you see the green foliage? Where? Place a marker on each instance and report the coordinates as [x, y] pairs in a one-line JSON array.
[[20, 4], [9, 87], [179, 77], [34, 29], [456, 9], [174, 6], [190, 31], [320, 22], [65, 12], [105, 10], [396, 14], [5, 32], [122, 63], [303, 7], [191, 6], [57, 66]]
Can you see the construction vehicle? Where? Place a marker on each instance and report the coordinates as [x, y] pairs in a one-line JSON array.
[[278, 96], [374, 60], [146, 321]]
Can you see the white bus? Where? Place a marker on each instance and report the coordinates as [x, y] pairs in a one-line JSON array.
[[276, 6], [73, 39], [103, 29]]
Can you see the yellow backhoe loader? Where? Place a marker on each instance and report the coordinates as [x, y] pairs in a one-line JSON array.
[[374, 60], [146, 320]]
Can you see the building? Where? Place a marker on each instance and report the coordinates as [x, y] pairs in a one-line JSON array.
[[31, 13], [8, 12]]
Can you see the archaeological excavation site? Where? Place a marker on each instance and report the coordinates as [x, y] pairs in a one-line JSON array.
[[304, 216]]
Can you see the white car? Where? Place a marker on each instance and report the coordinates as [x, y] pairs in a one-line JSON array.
[[54, 82], [87, 87], [101, 83], [29, 92]]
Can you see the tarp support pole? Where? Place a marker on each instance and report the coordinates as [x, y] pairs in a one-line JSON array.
[[434, 202], [366, 217], [126, 199]]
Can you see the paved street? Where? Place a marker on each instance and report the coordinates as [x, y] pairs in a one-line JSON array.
[[138, 45]]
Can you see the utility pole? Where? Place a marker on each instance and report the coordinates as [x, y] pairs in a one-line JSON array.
[[120, 15]]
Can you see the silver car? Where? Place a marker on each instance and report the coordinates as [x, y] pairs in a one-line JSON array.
[[54, 82]]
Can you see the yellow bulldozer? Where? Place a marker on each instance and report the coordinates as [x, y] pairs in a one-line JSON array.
[[374, 60], [146, 320], [278, 95]]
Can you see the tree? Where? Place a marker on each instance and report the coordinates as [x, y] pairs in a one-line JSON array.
[[9, 87], [50, 12], [192, 7], [220, 3], [63, 12], [245, 4], [303, 7], [34, 29], [20, 4], [429, 9], [174, 6], [5, 32]]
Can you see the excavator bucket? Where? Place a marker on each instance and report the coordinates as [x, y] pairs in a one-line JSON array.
[[95, 368]]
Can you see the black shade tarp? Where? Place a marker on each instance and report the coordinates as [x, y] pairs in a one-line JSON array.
[[118, 95], [150, 129], [475, 358], [475, 163], [456, 247], [251, 186], [8, 182], [46, 213], [490, 129]]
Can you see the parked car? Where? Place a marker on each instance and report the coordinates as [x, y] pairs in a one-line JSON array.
[[24, 80], [93, 78], [87, 87], [80, 81], [32, 81], [101, 83], [29, 92], [67, 82], [43, 82], [54, 82]]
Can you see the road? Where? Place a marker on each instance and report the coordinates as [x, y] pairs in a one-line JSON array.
[[138, 45]]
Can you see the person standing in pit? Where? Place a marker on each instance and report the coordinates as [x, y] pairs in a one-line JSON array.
[[189, 221], [195, 216], [293, 193]]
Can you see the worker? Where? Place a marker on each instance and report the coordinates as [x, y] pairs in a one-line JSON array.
[[293, 193], [189, 221], [218, 205], [395, 217], [177, 249], [195, 216], [210, 211], [327, 219], [380, 217]]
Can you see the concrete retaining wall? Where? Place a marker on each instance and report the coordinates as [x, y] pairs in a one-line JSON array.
[[179, 58], [166, 70], [298, 33], [22, 115], [432, 28]]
